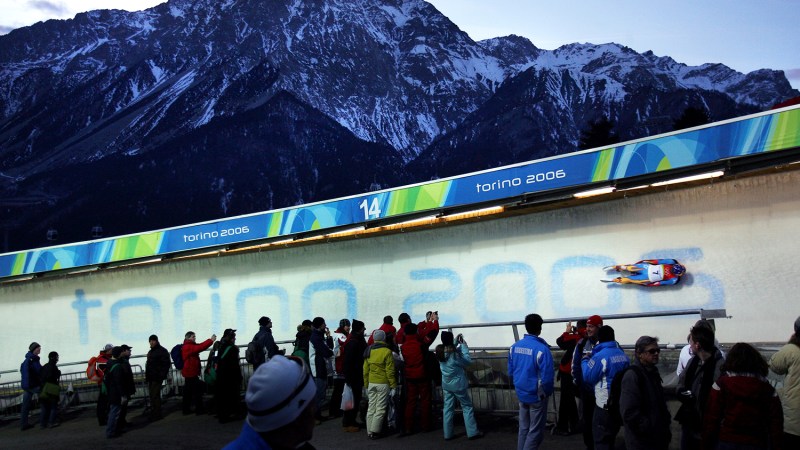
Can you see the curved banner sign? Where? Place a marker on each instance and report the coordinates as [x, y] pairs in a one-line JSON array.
[[767, 132]]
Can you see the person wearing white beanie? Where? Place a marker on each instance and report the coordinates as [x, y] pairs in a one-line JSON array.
[[280, 407]]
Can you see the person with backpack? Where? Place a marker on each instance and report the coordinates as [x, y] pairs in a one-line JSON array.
[[119, 384], [156, 370], [302, 341], [263, 346], [95, 371], [31, 373], [190, 358], [599, 370], [642, 405], [51, 392], [530, 366], [229, 378]]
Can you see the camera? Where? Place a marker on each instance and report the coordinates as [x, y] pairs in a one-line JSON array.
[[460, 338]]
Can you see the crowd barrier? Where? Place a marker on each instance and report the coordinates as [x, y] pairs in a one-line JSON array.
[[491, 388]]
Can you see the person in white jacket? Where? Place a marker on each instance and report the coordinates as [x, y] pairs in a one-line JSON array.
[[787, 362]]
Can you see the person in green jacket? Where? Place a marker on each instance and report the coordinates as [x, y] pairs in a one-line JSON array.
[[379, 380]]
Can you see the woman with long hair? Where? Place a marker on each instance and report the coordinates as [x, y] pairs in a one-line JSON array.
[[787, 362], [743, 411], [452, 361]]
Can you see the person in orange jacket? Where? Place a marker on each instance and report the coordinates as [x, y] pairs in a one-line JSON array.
[[193, 388]]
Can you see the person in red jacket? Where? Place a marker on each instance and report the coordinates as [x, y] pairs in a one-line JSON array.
[[404, 320], [568, 417], [417, 380], [428, 330], [193, 388], [389, 329], [743, 410]]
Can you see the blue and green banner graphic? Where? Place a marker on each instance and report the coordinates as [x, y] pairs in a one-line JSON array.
[[767, 132]]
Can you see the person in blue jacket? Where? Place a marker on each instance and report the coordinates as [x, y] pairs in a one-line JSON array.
[[530, 365], [452, 361], [606, 361], [31, 372]]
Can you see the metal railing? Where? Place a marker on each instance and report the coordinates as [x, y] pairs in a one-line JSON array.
[[491, 388]]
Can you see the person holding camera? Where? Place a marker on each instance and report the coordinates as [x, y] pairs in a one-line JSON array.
[[530, 366], [567, 407], [193, 387], [452, 362]]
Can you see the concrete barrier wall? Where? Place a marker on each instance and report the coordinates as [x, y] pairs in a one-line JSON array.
[[736, 239]]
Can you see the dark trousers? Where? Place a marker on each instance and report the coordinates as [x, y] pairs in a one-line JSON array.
[[567, 408], [335, 406], [226, 398], [193, 394], [102, 408], [604, 429], [587, 415], [349, 417], [418, 393], [154, 388]]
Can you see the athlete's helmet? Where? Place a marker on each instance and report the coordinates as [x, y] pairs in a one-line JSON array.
[[678, 269]]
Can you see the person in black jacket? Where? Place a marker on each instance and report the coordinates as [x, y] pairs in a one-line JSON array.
[[156, 370], [353, 368], [229, 378], [265, 343], [642, 404], [50, 374], [119, 384]]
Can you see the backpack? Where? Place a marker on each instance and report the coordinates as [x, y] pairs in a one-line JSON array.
[[104, 384], [177, 356], [93, 373], [250, 352], [210, 376], [612, 405]]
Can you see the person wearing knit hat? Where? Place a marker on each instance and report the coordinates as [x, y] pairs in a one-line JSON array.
[[353, 370], [281, 406], [265, 346], [585, 390], [31, 370], [156, 370], [380, 381], [787, 362], [339, 338]]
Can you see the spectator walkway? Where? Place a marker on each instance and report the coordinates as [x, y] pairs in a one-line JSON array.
[[79, 429]]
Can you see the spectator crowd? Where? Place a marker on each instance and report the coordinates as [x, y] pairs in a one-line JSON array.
[[387, 379]]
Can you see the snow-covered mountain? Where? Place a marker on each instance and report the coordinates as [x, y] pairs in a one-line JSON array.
[[133, 100]]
